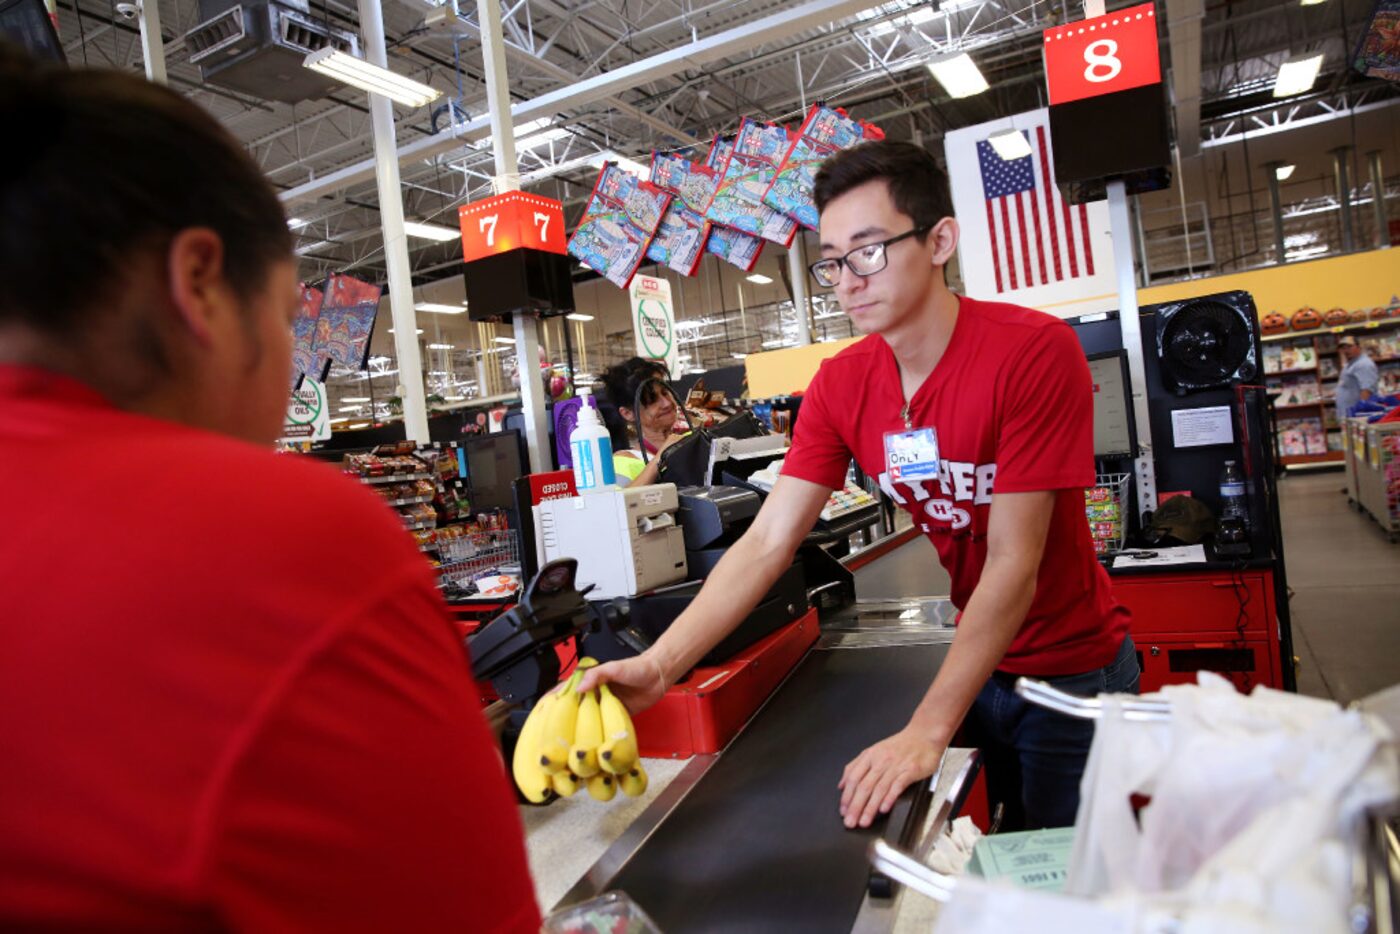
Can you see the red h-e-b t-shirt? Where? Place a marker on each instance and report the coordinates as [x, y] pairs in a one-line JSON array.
[[1012, 404], [230, 694]]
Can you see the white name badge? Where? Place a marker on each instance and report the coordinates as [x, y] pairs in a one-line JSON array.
[[912, 455]]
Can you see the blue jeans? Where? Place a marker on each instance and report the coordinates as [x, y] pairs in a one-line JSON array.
[[1034, 758]]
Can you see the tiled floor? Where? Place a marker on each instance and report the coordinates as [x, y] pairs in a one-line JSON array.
[[1344, 574], [1345, 578]]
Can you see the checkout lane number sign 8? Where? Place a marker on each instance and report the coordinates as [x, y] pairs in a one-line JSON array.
[[1102, 55]]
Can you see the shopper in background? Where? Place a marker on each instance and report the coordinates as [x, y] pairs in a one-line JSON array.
[[658, 418], [1359, 379], [989, 408], [230, 696]]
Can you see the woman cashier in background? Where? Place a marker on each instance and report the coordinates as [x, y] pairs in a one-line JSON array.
[[978, 419], [658, 417]]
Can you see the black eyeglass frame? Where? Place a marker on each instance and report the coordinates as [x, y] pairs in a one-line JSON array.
[[843, 261]]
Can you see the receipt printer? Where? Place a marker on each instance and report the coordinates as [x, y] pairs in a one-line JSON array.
[[626, 541], [713, 518]]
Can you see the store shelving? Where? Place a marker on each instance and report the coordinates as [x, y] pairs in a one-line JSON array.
[[1301, 370]]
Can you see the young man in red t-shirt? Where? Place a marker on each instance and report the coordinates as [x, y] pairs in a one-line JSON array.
[[231, 697], [977, 418]]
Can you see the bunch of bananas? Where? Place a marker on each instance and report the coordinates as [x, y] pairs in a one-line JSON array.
[[572, 740]]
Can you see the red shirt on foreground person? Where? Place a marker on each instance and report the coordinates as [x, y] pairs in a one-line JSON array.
[[1012, 404], [230, 695], [233, 701]]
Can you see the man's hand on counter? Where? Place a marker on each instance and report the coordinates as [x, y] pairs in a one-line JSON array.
[[637, 682], [874, 780]]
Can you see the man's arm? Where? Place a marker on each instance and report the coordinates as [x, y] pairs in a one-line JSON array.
[[1368, 379], [745, 573], [1016, 535]]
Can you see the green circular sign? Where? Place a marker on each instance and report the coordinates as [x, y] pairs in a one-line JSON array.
[[313, 400], [654, 331]]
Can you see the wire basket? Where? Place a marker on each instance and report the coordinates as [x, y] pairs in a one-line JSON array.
[[1106, 506], [472, 556]]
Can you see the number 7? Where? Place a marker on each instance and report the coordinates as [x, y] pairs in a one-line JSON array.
[[487, 225], [542, 222]]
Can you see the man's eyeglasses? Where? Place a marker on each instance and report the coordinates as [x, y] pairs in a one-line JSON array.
[[863, 261]]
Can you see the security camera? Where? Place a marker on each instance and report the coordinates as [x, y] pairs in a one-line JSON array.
[[128, 10]]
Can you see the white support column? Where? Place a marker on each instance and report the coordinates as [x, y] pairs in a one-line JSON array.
[[152, 45], [386, 171], [526, 327], [1120, 227], [797, 272]]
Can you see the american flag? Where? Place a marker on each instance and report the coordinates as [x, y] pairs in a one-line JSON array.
[[1036, 237]]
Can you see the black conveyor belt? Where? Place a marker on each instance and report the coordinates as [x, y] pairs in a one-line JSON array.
[[758, 845]]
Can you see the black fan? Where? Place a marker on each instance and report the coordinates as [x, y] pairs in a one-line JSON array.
[[1206, 343]]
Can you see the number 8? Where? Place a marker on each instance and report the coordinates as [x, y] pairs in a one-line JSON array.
[[1108, 58]]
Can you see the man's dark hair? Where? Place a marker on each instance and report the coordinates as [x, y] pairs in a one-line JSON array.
[[104, 166], [917, 185]]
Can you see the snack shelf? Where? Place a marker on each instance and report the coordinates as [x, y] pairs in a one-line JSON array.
[[413, 526], [408, 501], [393, 478]]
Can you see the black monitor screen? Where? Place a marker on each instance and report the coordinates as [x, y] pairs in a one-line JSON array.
[[493, 464], [27, 23], [1113, 405]]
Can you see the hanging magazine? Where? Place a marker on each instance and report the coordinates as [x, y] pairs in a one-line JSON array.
[[680, 240], [825, 131], [619, 222], [344, 325], [732, 246], [304, 335], [745, 177]]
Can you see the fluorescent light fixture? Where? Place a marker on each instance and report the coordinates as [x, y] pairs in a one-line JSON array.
[[337, 421], [295, 222], [578, 317], [505, 340], [959, 75], [1311, 2], [358, 425], [359, 73], [1297, 75], [442, 346], [759, 278], [419, 331], [356, 399], [440, 309], [739, 356], [776, 342], [1284, 172], [1010, 145], [348, 408], [431, 231]]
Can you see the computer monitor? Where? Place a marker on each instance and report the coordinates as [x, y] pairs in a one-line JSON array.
[[27, 24], [494, 463], [1115, 433]]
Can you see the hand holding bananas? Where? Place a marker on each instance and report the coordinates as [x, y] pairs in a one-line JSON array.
[[638, 682], [874, 780], [574, 739]]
